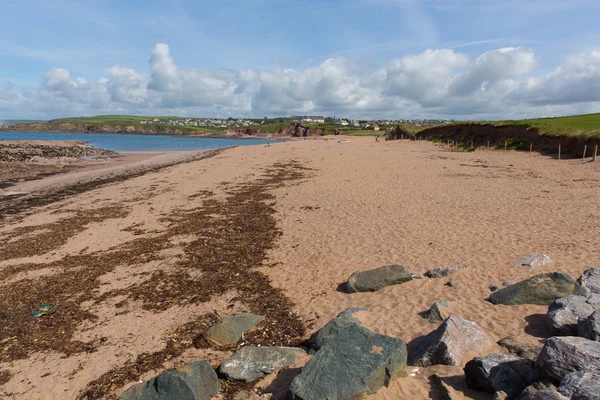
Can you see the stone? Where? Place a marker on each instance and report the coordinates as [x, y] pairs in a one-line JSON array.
[[589, 328], [194, 381], [500, 372], [449, 284], [352, 365], [590, 280], [581, 385], [250, 395], [378, 278], [493, 288], [251, 363], [332, 328], [522, 347], [564, 314], [500, 395], [562, 355], [447, 344], [437, 312], [442, 272], [536, 387], [446, 390], [541, 289], [546, 394], [230, 329]]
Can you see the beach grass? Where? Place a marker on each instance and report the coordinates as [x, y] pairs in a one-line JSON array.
[[575, 125]]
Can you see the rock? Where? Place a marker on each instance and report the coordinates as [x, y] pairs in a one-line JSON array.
[[581, 385], [251, 363], [437, 312], [500, 395], [500, 372], [353, 364], [589, 328], [562, 355], [541, 289], [546, 394], [447, 344], [590, 280], [332, 328], [536, 387], [493, 288], [230, 329], [378, 278], [564, 314], [519, 346], [445, 389], [442, 272], [534, 260], [194, 381]]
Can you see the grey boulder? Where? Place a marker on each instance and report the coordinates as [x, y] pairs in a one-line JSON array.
[[562, 355], [251, 363], [581, 385], [437, 312], [352, 365], [448, 343], [500, 372], [230, 329], [589, 328], [564, 314], [442, 272], [590, 280], [541, 289], [332, 328], [375, 279], [546, 394], [194, 381]]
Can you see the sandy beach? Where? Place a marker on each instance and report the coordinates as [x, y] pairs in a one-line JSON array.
[[136, 268]]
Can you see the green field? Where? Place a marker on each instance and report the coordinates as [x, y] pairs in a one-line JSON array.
[[576, 125], [10, 122]]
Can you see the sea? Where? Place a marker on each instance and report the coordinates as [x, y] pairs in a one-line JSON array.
[[131, 143]]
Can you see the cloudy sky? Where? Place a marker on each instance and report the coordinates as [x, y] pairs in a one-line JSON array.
[[462, 59]]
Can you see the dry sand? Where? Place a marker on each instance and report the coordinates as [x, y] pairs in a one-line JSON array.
[[362, 205]]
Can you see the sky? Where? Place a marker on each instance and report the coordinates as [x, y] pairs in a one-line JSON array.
[[362, 59]]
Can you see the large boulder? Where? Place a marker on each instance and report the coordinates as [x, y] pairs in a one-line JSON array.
[[375, 279], [590, 280], [352, 365], [541, 289], [437, 312], [589, 328], [562, 355], [564, 314], [442, 272], [448, 343], [230, 329], [581, 385], [251, 363], [546, 394], [194, 381], [536, 387], [500, 372], [332, 328]]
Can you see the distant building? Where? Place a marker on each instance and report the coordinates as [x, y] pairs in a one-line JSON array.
[[308, 119], [341, 122]]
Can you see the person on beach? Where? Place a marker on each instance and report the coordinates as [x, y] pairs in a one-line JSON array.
[[377, 138]]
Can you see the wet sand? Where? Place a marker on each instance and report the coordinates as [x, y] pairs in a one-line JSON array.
[[352, 206]]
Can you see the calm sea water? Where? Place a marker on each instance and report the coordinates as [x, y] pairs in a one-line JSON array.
[[136, 142]]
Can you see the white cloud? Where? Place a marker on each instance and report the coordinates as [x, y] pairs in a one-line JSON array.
[[443, 82]]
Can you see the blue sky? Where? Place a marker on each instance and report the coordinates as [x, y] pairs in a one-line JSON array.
[[362, 58]]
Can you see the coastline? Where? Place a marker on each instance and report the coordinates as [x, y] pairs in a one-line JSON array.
[[342, 207]]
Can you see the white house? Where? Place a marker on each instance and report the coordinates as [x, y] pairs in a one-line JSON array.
[[307, 119], [341, 122]]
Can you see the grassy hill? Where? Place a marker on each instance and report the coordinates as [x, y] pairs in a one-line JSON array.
[[575, 125], [10, 122]]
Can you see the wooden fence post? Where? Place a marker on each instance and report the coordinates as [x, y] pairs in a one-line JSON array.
[[488, 144], [530, 149], [472, 146], [505, 145], [595, 152], [584, 151], [559, 152]]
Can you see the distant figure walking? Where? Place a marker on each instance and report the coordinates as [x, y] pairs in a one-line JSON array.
[[377, 138]]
